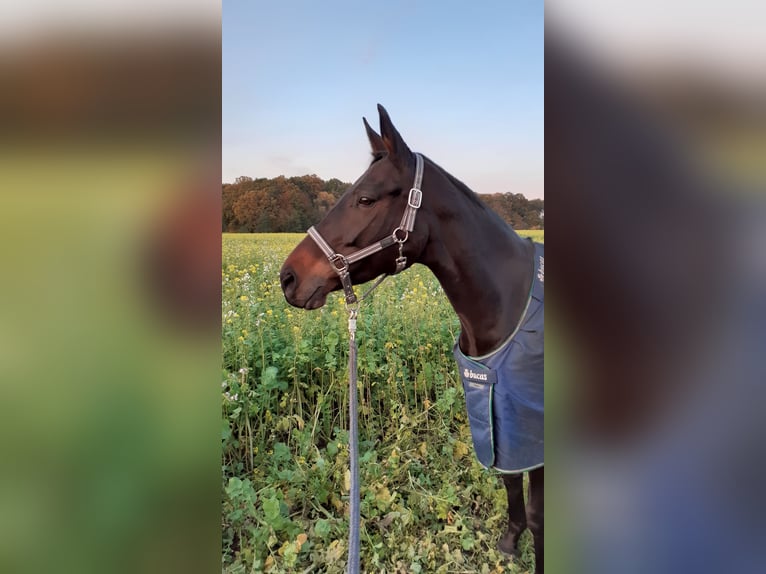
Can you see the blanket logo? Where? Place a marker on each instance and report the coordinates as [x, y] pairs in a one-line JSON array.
[[541, 270], [469, 374]]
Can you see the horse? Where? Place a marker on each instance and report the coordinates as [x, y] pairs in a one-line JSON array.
[[487, 271]]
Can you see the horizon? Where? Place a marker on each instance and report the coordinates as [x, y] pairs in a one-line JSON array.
[[464, 86]]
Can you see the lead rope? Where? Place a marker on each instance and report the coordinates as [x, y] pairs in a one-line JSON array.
[[353, 434], [353, 441]]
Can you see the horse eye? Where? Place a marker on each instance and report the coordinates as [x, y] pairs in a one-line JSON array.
[[366, 201]]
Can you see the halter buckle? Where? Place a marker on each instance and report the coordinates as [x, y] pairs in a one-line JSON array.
[[415, 198], [396, 236]]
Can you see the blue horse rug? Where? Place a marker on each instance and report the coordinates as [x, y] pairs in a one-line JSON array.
[[504, 389]]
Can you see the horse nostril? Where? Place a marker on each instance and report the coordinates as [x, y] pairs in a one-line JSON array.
[[286, 278]]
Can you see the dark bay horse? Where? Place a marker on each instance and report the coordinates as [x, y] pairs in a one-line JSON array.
[[486, 270]]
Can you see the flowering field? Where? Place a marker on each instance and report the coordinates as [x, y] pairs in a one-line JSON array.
[[427, 505]]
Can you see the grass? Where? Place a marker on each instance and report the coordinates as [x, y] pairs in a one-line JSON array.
[[427, 505]]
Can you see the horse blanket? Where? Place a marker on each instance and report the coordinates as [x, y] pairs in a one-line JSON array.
[[504, 389]]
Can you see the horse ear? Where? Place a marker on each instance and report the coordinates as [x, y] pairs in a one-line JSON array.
[[375, 140], [397, 150]]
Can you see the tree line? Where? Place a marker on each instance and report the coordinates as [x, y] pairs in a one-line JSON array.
[[293, 204]]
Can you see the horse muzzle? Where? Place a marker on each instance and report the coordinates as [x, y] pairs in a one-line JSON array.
[[307, 289]]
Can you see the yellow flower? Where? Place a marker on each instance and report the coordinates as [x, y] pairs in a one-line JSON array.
[[244, 332], [269, 312], [243, 298]]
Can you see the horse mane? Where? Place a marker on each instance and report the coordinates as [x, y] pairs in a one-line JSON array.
[[463, 188]]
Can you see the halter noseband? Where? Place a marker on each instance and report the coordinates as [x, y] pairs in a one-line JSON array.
[[340, 263]]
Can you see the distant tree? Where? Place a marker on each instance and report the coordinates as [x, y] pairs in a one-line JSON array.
[[336, 187], [323, 202], [231, 193], [293, 204], [518, 211], [253, 212]]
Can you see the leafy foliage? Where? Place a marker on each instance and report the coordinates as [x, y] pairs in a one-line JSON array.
[[278, 204], [293, 204], [518, 211], [427, 505]]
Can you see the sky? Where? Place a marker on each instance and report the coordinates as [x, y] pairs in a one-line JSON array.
[[462, 82]]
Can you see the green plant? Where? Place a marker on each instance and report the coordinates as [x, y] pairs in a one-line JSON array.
[[427, 505]]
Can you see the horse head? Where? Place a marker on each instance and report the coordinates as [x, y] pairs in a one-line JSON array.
[[367, 213]]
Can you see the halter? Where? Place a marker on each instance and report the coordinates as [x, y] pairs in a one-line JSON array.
[[340, 263]]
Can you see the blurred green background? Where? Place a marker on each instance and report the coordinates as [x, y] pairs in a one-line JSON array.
[[108, 406], [110, 290]]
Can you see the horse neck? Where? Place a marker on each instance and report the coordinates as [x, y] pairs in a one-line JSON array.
[[484, 267]]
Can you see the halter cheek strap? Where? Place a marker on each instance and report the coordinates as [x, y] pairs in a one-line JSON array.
[[340, 263]]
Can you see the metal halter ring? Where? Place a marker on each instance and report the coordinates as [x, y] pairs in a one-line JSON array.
[[396, 237]]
